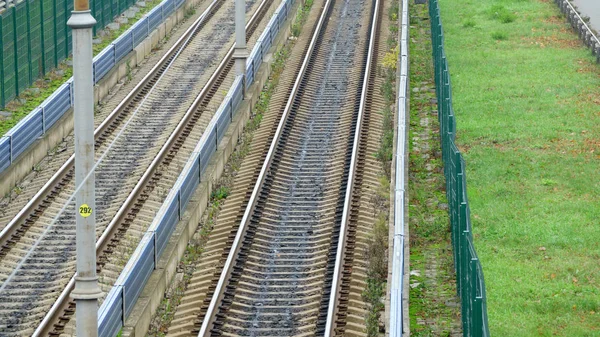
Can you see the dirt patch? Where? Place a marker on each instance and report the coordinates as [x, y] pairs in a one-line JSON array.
[[559, 41], [554, 19], [586, 66], [588, 146], [588, 96]]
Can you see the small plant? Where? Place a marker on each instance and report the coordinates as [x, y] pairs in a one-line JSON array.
[[377, 248], [128, 74], [18, 190], [393, 11], [301, 18], [469, 23], [499, 36], [372, 295], [390, 59], [391, 41], [502, 14], [189, 12], [220, 193], [385, 152], [507, 17]]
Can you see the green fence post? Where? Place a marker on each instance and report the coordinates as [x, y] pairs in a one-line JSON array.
[[477, 304], [43, 36], [466, 312], [55, 34], [66, 18], [460, 225], [28, 41], [16, 46]]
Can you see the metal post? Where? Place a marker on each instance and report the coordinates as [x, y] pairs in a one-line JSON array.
[[240, 53], [86, 292]]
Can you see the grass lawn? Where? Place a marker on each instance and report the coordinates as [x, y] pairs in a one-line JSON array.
[[526, 94]]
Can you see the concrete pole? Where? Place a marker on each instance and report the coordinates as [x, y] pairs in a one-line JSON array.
[[86, 292], [240, 53]]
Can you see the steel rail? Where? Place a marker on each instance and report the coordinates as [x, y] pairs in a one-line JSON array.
[[209, 318], [12, 227], [102, 242], [337, 272]]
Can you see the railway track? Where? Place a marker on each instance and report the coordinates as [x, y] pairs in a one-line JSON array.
[[25, 297], [187, 315], [353, 310], [284, 274]]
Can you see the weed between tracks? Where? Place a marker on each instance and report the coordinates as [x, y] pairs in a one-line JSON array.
[[166, 311], [434, 307], [527, 121]]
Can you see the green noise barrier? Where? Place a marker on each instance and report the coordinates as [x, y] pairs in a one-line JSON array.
[[34, 39], [469, 274]]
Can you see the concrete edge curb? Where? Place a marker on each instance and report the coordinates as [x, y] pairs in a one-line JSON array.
[[403, 50]]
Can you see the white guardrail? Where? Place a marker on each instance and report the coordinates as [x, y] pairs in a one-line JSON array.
[[122, 297], [38, 121], [397, 289]]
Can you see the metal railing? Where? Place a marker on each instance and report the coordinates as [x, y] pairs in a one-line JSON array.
[[122, 297], [36, 124], [469, 274], [398, 288]]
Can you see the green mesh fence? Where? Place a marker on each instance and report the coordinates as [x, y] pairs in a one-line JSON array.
[[34, 21], [60, 26], [469, 274], [22, 47], [34, 38], [9, 78]]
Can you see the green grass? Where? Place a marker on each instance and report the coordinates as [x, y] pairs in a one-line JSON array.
[[498, 35], [527, 121], [54, 79], [301, 18], [500, 13]]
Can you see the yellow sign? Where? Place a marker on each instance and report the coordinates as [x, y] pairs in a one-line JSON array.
[[85, 210]]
